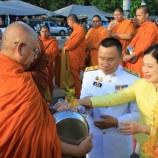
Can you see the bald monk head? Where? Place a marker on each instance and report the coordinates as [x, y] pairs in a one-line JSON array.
[[118, 14], [142, 14], [45, 32], [72, 20], [20, 42], [96, 21]]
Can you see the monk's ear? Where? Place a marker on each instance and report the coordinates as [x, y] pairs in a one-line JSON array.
[[20, 46], [147, 15]]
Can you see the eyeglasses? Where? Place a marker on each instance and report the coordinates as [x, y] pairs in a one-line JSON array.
[[95, 21], [35, 50]]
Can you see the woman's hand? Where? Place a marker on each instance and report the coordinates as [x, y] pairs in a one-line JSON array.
[[128, 128], [86, 102]]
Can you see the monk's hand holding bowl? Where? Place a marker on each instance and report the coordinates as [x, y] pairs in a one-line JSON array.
[[129, 56]]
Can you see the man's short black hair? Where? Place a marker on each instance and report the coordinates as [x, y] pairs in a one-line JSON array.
[[109, 42]]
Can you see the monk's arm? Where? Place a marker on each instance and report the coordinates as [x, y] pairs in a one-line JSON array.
[[74, 40], [111, 25], [128, 33], [77, 150], [122, 36], [146, 41], [53, 52]]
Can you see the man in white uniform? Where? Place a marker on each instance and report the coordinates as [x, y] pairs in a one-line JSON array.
[[106, 78]]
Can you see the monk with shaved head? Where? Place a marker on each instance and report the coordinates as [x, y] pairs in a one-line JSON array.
[[27, 128], [18, 40], [76, 46], [145, 37]]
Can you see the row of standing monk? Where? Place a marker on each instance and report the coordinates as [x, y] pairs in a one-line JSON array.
[[83, 48]]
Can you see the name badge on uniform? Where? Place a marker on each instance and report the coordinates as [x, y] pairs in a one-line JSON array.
[[97, 84], [120, 87]]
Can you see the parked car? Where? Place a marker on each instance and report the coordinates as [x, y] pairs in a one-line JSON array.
[[54, 29], [2, 29]]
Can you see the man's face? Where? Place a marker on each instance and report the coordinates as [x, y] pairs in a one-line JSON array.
[[96, 22], [69, 22], [44, 33], [108, 59], [118, 16], [141, 16]]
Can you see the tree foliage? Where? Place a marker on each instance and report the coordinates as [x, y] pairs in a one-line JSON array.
[[105, 5]]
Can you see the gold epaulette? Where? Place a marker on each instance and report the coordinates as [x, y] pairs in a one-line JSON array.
[[132, 72], [91, 68]]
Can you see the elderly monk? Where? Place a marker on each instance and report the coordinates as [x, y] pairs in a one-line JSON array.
[[121, 28], [144, 38], [51, 46], [93, 38], [27, 128], [76, 45]]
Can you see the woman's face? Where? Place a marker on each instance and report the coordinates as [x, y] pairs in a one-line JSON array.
[[150, 69]]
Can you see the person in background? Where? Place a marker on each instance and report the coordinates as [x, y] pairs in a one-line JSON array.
[[106, 78], [144, 38], [39, 72], [136, 24], [51, 46], [27, 128], [93, 38], [156, 23], [121, 28], [76, 46], [144, 91]]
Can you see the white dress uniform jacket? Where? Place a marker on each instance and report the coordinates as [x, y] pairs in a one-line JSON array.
[[109, 143]]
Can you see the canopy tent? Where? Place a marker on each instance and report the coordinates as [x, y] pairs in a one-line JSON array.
[[80, 10], [20, 8]]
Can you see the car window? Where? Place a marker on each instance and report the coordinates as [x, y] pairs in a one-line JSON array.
[[52, 24], [46, 23]]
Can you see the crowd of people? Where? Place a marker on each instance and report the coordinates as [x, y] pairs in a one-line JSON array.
[[118, 92]]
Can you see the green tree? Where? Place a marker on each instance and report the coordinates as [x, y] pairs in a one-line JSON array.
[[105, 5]]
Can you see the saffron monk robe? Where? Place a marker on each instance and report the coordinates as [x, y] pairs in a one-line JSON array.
[[76, 45], [27, 128], [144, 38], [93, 38], [51, 46]]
